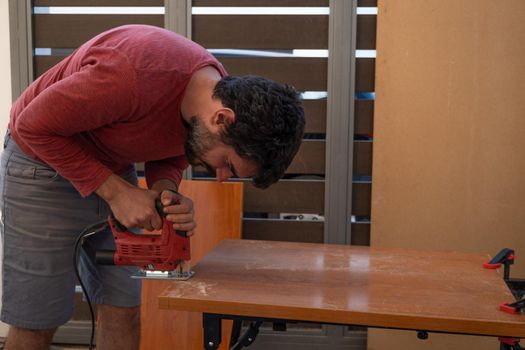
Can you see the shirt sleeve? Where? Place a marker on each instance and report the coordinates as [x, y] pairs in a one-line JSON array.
[[171, 169], [99, 94]]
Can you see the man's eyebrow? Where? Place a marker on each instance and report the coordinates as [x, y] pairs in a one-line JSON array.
[[231, 167]]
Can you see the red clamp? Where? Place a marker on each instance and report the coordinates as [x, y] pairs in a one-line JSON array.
[[510, 343], [506, 255], [513, 308]]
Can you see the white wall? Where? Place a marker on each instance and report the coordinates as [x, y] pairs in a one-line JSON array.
[[5, 86], [5, 68]]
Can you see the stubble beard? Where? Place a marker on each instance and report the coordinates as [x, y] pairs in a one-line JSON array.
[[199, 141]]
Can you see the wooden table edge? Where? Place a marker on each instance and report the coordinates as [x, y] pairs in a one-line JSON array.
[[334, 316]]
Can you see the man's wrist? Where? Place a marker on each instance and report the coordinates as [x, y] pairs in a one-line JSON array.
[[164, 184], [111, 187]]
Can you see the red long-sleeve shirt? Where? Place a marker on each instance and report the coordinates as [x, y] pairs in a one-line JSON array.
[[113, 102]]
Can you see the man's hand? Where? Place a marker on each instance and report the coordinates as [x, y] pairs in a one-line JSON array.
[[131, 206], [179, 210]]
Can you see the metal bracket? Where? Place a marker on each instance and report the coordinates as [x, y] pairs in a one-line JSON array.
[[212, 331]]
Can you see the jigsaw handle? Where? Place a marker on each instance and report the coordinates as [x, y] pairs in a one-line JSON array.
[[160, 210], [121, 228]]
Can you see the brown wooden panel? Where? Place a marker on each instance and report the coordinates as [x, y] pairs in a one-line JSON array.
[[70, 31], [218, 210], [365, 74], [362, 158], [360, 234], [315, 112], [283, 230], [286, 196], [261, 32], [310, 159], [274, 3], [361, 202], [366, 32], [367, 3], [43, 63], [289, 70], [364, 117], [98, 2]]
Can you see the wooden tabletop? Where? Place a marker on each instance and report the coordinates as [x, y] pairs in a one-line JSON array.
[[396, 288]]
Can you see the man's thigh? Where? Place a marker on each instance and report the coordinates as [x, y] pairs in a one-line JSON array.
[[42, 214]]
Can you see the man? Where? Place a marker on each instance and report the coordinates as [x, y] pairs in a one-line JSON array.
[[132, 94]]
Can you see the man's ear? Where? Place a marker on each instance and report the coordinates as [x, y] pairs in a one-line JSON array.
[[222, 117]]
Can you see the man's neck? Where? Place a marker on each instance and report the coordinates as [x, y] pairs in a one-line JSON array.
[[199, 91]]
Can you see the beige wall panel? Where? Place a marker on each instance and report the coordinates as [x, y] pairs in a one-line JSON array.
[[448, 155]]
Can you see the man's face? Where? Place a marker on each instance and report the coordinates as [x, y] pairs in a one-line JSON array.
[[206, 148]]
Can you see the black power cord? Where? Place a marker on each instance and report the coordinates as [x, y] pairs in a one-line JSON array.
[[88, 231]]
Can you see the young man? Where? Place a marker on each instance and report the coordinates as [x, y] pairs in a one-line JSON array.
[[132, 94]]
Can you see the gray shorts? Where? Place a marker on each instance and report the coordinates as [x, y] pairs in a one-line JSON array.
[[42, 215]]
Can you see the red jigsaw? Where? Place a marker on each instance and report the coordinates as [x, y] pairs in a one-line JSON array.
[[159, 256]]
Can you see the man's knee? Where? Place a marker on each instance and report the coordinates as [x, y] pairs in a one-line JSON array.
[[118, 327], [24, 338], [114, 314]]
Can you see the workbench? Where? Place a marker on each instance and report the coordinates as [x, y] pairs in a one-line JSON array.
[[425, 291]]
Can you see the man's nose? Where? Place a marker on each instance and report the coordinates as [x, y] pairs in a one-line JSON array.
[[223, 174]]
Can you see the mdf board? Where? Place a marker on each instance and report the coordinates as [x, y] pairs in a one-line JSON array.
[[218, 209], [448, 159]]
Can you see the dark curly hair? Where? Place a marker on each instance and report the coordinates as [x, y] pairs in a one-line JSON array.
[[269, 123]]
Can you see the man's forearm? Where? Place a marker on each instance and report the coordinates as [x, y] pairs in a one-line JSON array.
[[110, 188]]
